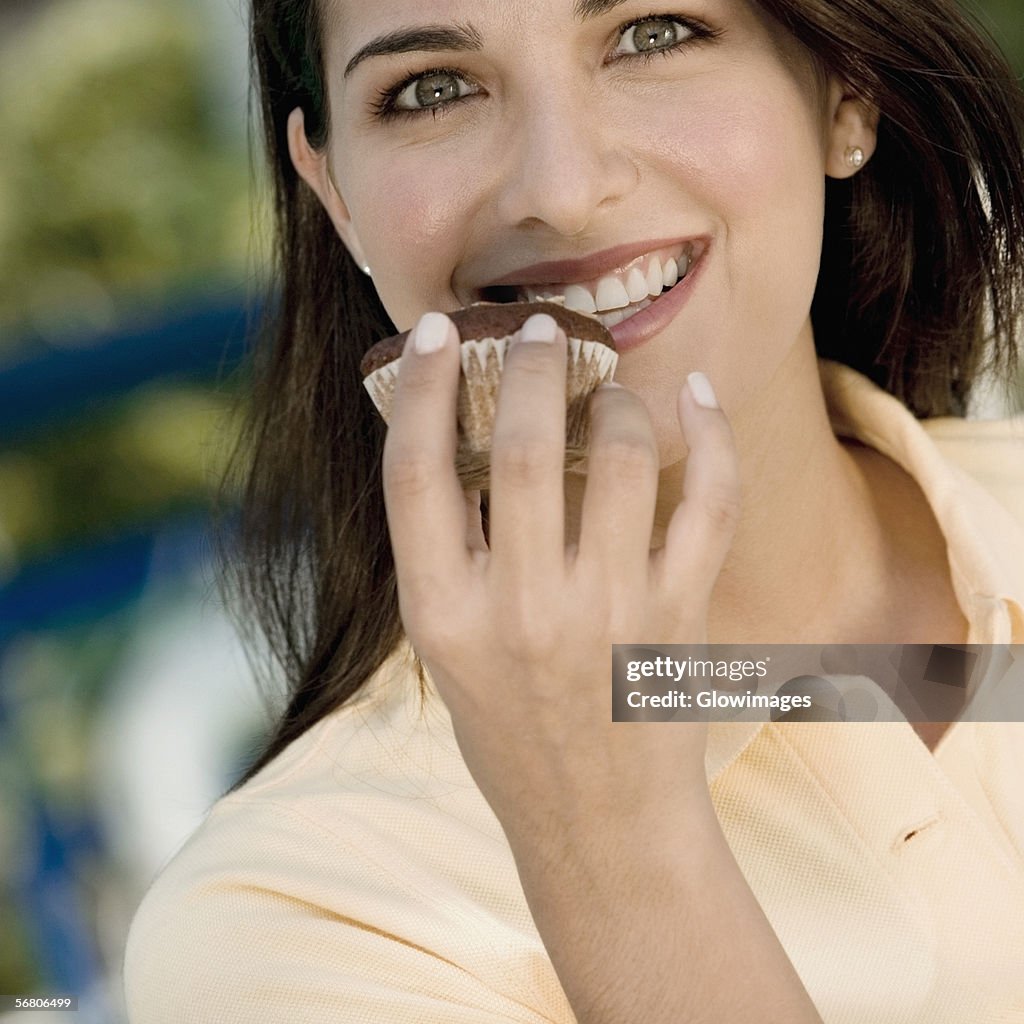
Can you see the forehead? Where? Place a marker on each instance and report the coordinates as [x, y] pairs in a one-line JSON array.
[[346, 16], [340, 12], [349, 24]]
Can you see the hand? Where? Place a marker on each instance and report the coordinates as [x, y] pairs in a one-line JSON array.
[[517, 633]]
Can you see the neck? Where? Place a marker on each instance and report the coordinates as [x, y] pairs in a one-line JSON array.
[[837, 544], [810, 557]]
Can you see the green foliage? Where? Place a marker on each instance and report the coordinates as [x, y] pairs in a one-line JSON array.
[[1004, 20], [117, 178], [156, 453], [119, 185]]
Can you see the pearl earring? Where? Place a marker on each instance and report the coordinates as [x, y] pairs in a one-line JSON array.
[[365, 268], [855, 157]]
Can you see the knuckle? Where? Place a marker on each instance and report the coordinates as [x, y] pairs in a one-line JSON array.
[[524, 461], [406, 473], [416, 380], [530, 628], [532, 641], [532, 361], [432, 640], [722, 507], [432, 626], [622, 621], [631, 456]]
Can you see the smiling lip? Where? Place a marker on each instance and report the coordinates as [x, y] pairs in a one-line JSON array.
[[638, 327], [635, 330], [606, 261]]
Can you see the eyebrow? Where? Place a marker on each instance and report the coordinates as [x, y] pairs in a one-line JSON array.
[[453, 37], [426, 37], [584, 9]]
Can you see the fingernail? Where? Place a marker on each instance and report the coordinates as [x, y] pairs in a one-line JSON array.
[[610, 384], [702, 391], [430, 333], [539, 327]]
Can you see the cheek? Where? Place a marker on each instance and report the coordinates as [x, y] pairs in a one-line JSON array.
[[409, 227], [750, 163], [751, 151], [754, 156]]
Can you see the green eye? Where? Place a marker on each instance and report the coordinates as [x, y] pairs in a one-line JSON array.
[[437, 90], [652, 35], [432, 90]]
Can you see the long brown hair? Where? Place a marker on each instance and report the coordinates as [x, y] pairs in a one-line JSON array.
[[920, 289]]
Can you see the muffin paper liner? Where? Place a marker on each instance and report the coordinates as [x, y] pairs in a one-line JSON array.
[[589, 364]]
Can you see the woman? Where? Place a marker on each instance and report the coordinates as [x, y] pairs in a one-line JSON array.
[[833, 184]]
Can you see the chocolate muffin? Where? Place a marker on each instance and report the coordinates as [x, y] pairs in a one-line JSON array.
[[486, 328]]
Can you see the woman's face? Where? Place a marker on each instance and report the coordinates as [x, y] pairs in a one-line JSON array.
[[473, 144]]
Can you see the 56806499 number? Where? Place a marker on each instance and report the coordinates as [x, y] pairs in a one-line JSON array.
[[8, 1003]]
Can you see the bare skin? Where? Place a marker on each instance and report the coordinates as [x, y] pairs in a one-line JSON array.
[[920, 602], [836, 543]]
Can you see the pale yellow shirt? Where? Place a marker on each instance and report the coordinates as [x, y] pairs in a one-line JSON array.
[[361, 877]]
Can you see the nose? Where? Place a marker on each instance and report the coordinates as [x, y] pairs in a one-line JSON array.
[[564, 162]]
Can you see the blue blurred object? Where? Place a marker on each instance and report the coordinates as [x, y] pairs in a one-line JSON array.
[[85, 583], [51, 899], [72, 589], [71, 586], [82, 587], [193, 342]]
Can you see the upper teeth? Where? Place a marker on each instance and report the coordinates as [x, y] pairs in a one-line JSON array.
[[647, 276]]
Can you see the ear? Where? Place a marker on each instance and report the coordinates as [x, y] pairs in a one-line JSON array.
[[311, 165], [852, 127]]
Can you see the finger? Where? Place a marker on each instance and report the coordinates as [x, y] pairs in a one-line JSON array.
[[425, 506], [528, 453], [703, 525], [622, 481]]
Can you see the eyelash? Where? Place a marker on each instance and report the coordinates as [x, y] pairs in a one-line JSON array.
[[384, 108]]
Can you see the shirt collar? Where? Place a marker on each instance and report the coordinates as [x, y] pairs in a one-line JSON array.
[[985, 542]]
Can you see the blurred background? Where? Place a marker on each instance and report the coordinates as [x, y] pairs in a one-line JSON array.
[[130, 270], [132, 239]]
